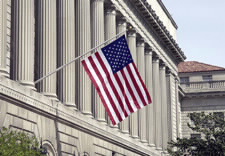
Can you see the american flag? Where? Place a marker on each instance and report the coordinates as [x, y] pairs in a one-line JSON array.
[[117, 80]]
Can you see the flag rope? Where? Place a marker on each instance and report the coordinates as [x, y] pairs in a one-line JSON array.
[[61, 67]]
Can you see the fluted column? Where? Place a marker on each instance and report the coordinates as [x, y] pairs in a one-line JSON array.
[[169, 87], [97, 12], [110, 31], [171, 105], [66, 51], [83, 44], [122, 27], [110, 22], [23, 41], [5, 33], [131, 38], [141, 69], [156, 101], [178, 108], [164, 107], [46, 49], [150, 108]]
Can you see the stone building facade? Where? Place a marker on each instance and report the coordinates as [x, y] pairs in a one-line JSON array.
[[204, 88], [63, 110]]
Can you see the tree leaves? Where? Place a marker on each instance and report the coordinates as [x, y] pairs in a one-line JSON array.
[[212, 127], [17, 143]]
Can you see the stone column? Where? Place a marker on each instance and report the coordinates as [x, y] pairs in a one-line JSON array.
[[97, 12], [110, 31], [66, 51], [5, 33], [141, 69], [164, 107], [171, 105], [121, 27], [131, 38], [23, 41], [46, 46], [110, 22], [156, 102], [178, 107], [150, 108], [83, 44]]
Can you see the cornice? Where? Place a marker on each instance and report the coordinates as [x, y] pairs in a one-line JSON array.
[[167, 13], [24, 97], [150, 16]]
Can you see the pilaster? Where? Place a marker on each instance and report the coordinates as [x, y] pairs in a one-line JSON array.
[[141, 68], [149, 84], [23, 41], [83, 44], [46, 46]]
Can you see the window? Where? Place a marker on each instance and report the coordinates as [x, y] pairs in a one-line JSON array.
[[194, 135], [207, 77], [184, 79]]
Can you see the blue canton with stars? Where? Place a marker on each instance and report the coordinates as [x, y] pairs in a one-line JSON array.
[[118, 54]]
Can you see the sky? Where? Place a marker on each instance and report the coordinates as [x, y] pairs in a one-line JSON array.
[[201, 29]]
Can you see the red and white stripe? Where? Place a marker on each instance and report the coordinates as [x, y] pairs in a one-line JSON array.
[[122, 93]]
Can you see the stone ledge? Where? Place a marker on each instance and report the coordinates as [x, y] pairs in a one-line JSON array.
[[35, 101]]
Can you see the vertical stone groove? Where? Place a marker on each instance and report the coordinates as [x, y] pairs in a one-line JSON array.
[[23, 67], [97, 22], [83, 44], [66, 51], [46, 49]]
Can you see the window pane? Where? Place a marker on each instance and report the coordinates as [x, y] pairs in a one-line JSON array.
[[207, 77], [184, 79]]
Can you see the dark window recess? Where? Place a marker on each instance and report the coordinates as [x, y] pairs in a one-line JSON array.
[[207, 77], [194, 135], [184, 80]]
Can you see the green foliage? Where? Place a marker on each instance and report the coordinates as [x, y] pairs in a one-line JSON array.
[[212, 128], [14, 143]]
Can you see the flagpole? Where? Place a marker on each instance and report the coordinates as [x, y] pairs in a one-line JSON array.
[[61, 67]]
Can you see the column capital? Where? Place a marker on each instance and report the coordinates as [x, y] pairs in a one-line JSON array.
[[148, 50], [162, 65], [110, 9], [155, 58], [140, 41], [121, 20], [131, 31], [168, 71]]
